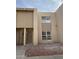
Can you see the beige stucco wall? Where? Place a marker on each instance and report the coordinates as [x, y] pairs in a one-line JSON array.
[[24, 19], [32, 19], [53, 27], [35, 27], [27, 18], [46, 27], [59, 20]]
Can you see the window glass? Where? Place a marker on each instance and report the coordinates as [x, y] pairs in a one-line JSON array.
[[45, 17], [43, 33], [43, 37], [48, 33], [46, 36]]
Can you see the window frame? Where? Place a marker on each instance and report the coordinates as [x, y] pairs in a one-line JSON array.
[[48, 37]]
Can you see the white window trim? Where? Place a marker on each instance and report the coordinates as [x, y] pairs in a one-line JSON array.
[[46, 35], [46, 21]]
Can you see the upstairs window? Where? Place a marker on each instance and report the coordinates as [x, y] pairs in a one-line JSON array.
[[45, 17]]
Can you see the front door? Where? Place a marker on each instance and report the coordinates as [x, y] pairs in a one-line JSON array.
[[29, 35], [19, 36]]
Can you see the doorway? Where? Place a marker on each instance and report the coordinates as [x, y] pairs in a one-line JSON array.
[[19, 36], [29, 35]]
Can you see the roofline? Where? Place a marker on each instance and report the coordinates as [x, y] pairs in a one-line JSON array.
[[29, 9], [45, 12], [59, 6]]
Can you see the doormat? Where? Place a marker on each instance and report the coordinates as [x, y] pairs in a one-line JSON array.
[[43, 51]]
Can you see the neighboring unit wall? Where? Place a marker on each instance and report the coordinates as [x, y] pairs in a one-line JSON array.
[[59, 18], [53, 27]]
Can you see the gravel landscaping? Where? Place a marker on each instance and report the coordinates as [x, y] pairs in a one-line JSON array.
[[44, 50]]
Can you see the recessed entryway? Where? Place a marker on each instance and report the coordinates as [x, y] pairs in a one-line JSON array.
[[29, 35], [19, 36]]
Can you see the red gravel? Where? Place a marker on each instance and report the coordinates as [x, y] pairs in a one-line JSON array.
[[44, 50]]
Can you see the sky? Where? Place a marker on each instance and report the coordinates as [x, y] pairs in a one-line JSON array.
[[41, 5]]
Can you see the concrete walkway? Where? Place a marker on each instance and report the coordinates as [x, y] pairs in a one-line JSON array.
[[20, 51]]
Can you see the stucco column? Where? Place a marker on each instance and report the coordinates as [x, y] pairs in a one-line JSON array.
[[54, 29], [35, 28], [24, 36]]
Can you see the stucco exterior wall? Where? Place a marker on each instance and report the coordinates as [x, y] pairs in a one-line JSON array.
[[27, 18], [52, 25], [24, 19], [53, 28], [32, 19], [46, 26], [35, 27], [59, 20]]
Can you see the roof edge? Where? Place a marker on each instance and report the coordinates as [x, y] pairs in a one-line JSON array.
[[59, 6], [31, 9]]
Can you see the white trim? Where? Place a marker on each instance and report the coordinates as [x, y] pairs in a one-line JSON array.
[[46, 21]]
